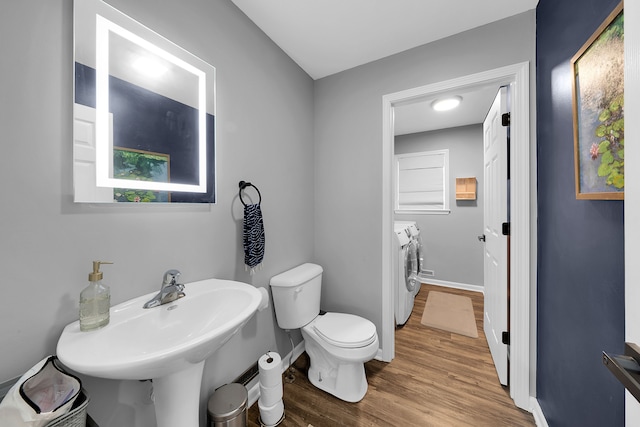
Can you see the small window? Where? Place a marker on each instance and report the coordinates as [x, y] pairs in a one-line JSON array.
[[422, 182]]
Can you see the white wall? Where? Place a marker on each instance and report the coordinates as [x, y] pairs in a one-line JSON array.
[[452, 249], [264, 135], [348, 149], [632, 194]]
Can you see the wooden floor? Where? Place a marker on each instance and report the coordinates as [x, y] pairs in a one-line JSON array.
[[436, 379]]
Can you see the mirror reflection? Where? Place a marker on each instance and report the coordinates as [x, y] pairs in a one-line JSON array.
[[144, 113]]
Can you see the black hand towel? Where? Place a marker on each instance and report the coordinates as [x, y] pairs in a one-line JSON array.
[[253, 237]]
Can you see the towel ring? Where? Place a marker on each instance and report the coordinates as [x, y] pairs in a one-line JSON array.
[[244, 185]]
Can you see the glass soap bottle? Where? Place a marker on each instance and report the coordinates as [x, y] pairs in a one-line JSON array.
[[95, 301]]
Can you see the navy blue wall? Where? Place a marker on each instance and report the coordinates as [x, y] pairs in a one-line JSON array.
[[580, 242], [144, 120]]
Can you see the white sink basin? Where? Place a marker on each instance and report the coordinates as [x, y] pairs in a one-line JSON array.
[[168, 343]]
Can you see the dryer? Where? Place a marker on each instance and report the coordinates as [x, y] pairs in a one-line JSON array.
[[414, 230], [405, 272]]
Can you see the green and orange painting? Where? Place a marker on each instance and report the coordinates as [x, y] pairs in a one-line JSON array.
[[599, 112]]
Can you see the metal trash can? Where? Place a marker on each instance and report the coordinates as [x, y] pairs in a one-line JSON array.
[[227, 406]]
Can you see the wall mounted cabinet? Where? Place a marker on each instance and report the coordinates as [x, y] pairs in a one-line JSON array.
[[466, 188]]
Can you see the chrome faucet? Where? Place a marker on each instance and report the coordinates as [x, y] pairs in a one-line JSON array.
[[170, 290]]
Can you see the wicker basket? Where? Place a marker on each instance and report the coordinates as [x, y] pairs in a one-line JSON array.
[[76, 417]]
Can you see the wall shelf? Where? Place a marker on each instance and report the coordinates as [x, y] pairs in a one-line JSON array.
[[466, 188]]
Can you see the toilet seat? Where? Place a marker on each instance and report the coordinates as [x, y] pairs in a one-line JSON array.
[[331, 328]]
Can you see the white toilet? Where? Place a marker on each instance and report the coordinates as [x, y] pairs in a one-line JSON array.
[[338, 344]]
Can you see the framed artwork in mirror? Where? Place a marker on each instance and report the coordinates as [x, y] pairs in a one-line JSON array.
[[140, 165]]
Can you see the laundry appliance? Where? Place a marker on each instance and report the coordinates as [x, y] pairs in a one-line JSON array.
[[416, 238], [405, 273]]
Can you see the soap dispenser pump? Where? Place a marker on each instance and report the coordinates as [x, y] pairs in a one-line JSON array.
[[95, 301]]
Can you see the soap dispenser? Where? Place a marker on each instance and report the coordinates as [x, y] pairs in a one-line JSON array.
[[95, 301]]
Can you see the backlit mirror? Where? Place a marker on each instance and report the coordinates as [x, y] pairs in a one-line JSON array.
[[144, 113]]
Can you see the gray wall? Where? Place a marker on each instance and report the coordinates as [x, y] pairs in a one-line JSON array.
[[313, 149], [264, 135], [348, 149], [451, 244]]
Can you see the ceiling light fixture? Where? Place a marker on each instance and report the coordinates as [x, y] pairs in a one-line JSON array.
[[150, 67], [446, 103]]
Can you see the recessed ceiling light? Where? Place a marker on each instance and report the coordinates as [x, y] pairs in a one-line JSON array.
[[446, 103]]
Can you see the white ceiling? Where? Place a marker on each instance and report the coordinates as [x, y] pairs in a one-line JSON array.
[[325, 37], [418, 116]]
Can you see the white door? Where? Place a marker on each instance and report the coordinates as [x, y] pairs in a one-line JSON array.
[[84, 156], [495, 247]]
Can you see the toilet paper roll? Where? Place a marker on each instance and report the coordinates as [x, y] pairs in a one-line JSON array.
[[270, 415], [269, 396], [264, 302], [269, 369]]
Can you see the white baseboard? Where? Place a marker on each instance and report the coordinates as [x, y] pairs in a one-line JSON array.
[[253, 387], [455, 285], [538, 415]]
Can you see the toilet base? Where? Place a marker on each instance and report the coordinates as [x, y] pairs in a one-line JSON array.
[[339, 372], [346, 382]]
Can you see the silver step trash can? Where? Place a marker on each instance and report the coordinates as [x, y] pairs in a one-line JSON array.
[[227, 406]]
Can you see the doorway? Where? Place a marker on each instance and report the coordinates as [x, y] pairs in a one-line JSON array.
[[520, 204]]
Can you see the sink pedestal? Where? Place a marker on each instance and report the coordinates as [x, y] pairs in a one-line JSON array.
[[177, 397]]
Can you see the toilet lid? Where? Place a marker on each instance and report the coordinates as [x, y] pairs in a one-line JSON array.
[[345, 330]]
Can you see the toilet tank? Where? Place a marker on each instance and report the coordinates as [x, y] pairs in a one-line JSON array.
[[296, 295]]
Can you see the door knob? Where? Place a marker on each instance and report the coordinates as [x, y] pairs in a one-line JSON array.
[[482, 238]]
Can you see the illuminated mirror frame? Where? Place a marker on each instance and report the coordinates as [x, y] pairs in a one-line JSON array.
[[104, 152], [109, 21]]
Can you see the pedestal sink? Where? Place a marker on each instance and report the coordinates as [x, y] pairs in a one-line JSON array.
[[168, 344]]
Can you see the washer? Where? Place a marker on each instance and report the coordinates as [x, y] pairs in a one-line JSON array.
[[405, 274], [420, 249]]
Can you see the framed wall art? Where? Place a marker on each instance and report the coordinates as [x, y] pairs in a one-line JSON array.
[[598, 112], [140, 165]]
